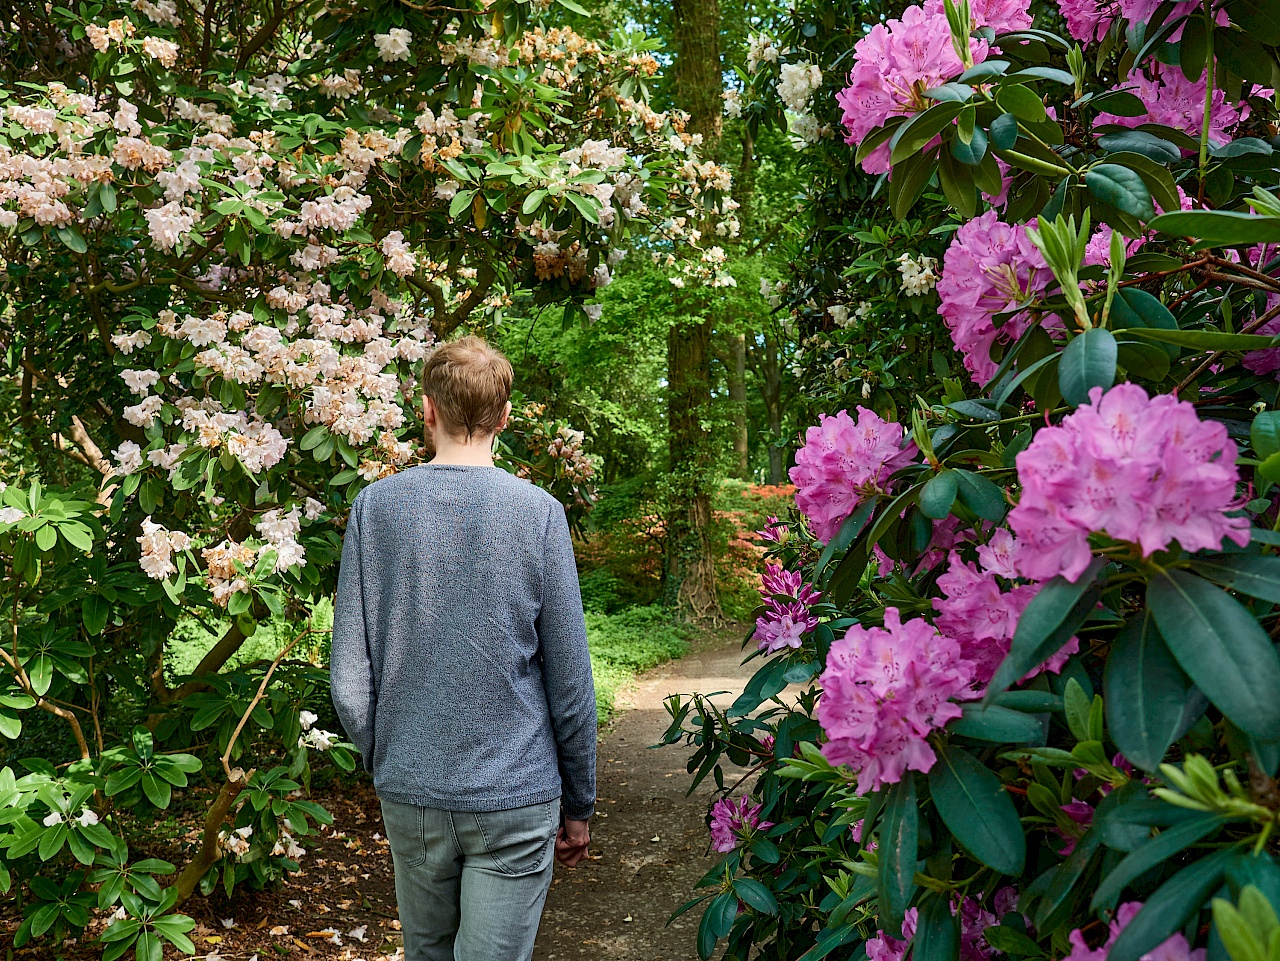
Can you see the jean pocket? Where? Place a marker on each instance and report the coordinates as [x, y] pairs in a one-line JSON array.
[[519, 841], [404, 826]]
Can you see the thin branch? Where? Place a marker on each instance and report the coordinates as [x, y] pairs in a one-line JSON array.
[[244, 718], [1212, 358]]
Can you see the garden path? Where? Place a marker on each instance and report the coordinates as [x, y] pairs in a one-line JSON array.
[[649, 842]]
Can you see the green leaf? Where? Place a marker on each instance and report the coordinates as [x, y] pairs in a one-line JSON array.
[[1257, 19], [462, 201], [909, 138], [40, 672], [1252, 574], [1219, 227], [1203, 339], [1089, 361], [575, 7], [997, 724], [938, 494], [1146, 693], [143, 743], [1009, 940], [971, 153], [937, 932], [850, 528], [1155, 852], [94, 610], [1122, 188], [908, 180], [1004, 131], [1143, 143], [1221, 646], [981, 496], [899, 833], [978, 810], [1021, 101], [158, 791], [72, 239], [1047, 623], [1264, 433], [533, 201], [767, 682], [755, 895], [1170, 907]]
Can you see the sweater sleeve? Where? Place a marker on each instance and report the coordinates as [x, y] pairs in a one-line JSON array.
[[566, 666], [350, 663]]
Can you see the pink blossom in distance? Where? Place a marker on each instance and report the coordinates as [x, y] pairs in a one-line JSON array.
[[843, 462], [989, 268], [1173, 948], [774, 531], [1174, 101], [884, 690], [731, 820], [1141, 469], [894, 64], [778, 581], [1267, 360]]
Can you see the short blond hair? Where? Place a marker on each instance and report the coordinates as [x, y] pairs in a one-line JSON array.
[[470, 383]]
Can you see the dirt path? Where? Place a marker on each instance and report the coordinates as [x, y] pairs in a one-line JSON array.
[[648, 839]]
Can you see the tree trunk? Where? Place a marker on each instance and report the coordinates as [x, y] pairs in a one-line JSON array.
[[736, 368], [690, 573], [771, 388]]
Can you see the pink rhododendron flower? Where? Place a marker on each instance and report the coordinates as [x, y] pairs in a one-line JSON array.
[[1081, 812], [948, 534], [774, 531], [884, 690], [982, 619], [1174, 101], [1173, 948], [1002, 16], [1141, 469], [783, 625], [731, 820], [894, 64], [1267, 360], [1089, 20], [777, 580], [843, 462], [989, 268], [884, 948]]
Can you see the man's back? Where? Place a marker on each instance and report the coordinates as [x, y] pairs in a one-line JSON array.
[[459, 661]]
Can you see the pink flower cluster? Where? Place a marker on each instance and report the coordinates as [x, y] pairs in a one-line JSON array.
[[884, 690], [1002, 16], [1266, 361], [786, 615], [731, 820], [981, 616], [894, 64], [974, 920], [1174, 101], [774, 531], [1089, 20], [1141, 469], [884, 948], [989, 268], [843, 462], [1173, 948]]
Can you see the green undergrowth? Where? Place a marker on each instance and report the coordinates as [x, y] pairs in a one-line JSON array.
[[629, 642]]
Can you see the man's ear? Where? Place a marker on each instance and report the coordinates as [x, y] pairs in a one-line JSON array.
[[506, 415], [428, 412]]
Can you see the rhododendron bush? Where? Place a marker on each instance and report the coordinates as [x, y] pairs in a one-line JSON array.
[[230, 233], [1018, 692]]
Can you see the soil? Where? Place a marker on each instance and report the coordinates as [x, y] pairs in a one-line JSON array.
[[649, 848]]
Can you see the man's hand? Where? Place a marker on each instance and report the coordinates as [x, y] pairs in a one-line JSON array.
[[571, 842]]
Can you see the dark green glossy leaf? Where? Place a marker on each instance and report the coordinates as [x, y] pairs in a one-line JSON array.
[[938, 494], [937, 932], [1221, 646], [898, 839], [997, 724], [1089, 361], [983, 497], [1219, 226], [976, 808], [1155, 852], [1122, 188], [1146, 693], [1170, 907]]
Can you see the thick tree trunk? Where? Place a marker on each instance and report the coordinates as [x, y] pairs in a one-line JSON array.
[[771, 389], [736, 369], [690, 576]]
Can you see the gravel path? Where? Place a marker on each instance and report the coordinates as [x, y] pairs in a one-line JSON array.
[[649, 842]]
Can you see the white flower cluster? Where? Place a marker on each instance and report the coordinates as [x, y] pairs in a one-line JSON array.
[[236, 843], [732, 104], [760, 49], [401, 261], [918, 276], [393, 45], [158, 546], [797, 83], [280, 531], [85, 818]]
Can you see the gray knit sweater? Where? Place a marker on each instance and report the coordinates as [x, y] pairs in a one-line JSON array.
[[459, 660]]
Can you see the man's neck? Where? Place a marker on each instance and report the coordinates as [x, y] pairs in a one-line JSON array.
[[476, 453]]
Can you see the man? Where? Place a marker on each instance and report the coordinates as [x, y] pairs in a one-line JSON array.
[[460, 671]]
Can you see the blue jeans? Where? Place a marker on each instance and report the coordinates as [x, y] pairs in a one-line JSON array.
[[471, 886]]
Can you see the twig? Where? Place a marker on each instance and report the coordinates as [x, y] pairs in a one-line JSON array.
[[1209, 361], [244, 718]]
